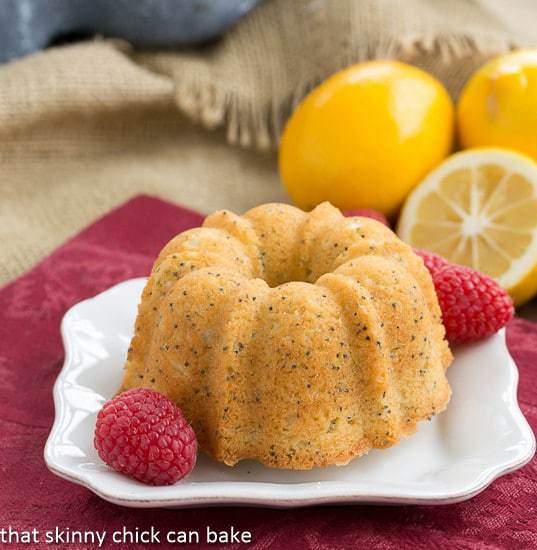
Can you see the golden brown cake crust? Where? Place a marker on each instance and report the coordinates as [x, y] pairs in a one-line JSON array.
[[295, 339]]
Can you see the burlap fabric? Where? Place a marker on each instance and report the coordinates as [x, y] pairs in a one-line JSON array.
[[85, 127]]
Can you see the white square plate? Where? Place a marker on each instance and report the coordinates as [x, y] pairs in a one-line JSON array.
[[481, 436]]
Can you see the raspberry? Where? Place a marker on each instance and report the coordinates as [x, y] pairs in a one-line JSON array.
[[433, 262], [142, 434], [473, 305], [367, 213]]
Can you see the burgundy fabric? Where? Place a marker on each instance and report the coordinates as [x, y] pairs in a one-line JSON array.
[[122, 245]]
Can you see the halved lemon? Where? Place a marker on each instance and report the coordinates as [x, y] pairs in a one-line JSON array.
[[479, 208]]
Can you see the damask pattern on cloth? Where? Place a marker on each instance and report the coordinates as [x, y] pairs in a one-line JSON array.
[[122, 245]]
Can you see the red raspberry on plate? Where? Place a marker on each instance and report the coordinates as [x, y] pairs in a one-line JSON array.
[[142, 434], [473, 304], [367, 213], [433, 262]]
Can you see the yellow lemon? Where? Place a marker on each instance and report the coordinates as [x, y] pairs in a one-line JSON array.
[[498, 106], [479, 208], [366, 136]]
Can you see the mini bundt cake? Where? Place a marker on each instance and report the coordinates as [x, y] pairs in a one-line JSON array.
[[295, 339]]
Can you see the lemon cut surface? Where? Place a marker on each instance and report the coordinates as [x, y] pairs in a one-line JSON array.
[[479, 208]]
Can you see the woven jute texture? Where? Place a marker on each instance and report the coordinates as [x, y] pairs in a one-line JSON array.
[[87, 126]]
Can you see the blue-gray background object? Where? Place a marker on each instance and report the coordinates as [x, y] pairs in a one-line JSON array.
[[29, 25]]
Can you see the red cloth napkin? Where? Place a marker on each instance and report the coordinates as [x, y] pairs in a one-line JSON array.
[[121, 245]]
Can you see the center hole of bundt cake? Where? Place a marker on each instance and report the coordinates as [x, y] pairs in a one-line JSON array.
[[292, 275]]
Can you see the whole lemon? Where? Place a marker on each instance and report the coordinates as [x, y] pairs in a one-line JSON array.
[[366, 136], [498, 106]]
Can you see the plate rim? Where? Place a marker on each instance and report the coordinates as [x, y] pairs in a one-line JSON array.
[[354, 496]]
